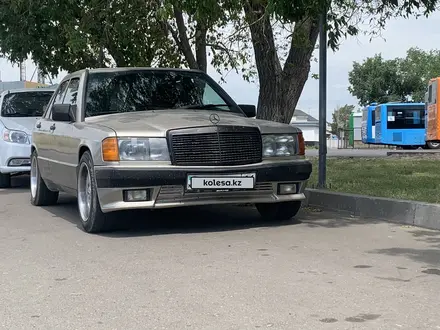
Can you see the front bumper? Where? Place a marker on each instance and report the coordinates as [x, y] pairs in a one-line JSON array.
[[14, 152], [167, 185]]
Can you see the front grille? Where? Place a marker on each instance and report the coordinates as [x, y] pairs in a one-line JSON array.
[[215, 146]]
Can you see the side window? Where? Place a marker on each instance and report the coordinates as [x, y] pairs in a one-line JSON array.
[[72, 92], [60, 94], [211, 97], [47, 109], [58, 99], [430, 94]]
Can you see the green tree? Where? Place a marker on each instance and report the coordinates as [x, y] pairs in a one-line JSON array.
[[379, 80], [273, 38], [282, 80], [341, 118], [416, 69], [375, 80]]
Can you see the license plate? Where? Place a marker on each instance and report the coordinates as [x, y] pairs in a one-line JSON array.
[[221, 182]]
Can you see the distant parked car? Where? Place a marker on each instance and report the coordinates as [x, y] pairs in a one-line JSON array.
[[140, 138], [19, 110]]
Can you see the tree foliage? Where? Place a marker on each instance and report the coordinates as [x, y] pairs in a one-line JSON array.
[[399, 79], [272, 40], [341, 117]]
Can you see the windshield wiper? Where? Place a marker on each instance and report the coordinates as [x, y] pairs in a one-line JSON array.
[[204, 106]]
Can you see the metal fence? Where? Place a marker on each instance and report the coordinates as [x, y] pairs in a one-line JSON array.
[[351, 139]]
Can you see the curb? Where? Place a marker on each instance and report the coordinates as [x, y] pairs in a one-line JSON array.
[[410, 153], [392, 210]]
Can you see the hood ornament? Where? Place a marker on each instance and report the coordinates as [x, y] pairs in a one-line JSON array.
[[214, 118]]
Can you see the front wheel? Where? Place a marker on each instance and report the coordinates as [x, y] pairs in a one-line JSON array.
[[40, 194], [279, 211], [93, 220], [433, 145]]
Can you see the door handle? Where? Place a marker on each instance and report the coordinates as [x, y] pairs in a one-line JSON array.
[[52, 128], [38, 125]]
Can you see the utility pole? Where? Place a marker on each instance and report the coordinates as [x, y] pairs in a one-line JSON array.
[[322, 167], [22, 67]]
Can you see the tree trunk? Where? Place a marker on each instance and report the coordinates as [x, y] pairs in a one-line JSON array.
[[280, 88], [297, 67], [182, 40], [117, 55], [201, 56]]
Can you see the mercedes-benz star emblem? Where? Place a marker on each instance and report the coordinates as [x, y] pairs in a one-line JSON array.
[[214, 118]]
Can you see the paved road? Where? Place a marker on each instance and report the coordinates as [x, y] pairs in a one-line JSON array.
[[219, 268]]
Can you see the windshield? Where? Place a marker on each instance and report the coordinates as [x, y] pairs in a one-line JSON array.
[[127, 91], [25, 104]]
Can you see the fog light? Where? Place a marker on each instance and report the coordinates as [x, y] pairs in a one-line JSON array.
[[287, 188], [136, 195], [19, 162]]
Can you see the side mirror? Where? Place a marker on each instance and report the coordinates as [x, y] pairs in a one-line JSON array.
[[63, 112], [248, 109]]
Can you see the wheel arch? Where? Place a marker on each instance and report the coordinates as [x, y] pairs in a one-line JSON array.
[[82, 149]]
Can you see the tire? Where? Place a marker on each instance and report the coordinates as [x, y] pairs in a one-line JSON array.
[[93, 220], [433, 145], [279, 211], [40, 194], [5, 180]]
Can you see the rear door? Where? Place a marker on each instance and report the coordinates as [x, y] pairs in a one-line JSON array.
[[432, 125]]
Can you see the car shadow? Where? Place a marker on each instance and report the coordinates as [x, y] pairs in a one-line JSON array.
[[19, 184], [182, 220], [191, 219]]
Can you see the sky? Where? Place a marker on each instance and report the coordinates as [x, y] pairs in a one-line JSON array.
[[399, 35]]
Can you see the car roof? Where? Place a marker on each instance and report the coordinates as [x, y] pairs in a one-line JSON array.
[[122, 69], [24, 90]]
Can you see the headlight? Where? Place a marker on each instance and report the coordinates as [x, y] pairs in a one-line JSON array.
[[143, 149], [279, 145], [15, 136]]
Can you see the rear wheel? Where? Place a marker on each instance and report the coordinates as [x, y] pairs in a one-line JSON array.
[[93, 220], [5, 180], [433, 145], [279, 211], [40, 194]]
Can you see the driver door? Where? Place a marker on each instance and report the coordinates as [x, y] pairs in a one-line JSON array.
[[65, 143]]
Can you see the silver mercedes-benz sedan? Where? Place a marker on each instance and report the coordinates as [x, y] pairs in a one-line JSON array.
[[143, 138]]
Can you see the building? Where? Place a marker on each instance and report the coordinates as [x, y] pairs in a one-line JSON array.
[[355, 124], [308, 125], [6, 85]]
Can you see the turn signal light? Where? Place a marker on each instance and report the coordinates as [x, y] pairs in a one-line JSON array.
[[301, 144], [110, 150]]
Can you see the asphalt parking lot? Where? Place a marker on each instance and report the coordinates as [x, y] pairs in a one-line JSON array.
[[213, 268]]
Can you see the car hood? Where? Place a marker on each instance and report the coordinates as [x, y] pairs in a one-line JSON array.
[[24, 124], [157, 123]]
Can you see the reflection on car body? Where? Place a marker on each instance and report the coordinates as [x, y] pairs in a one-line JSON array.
[[142, 138]]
